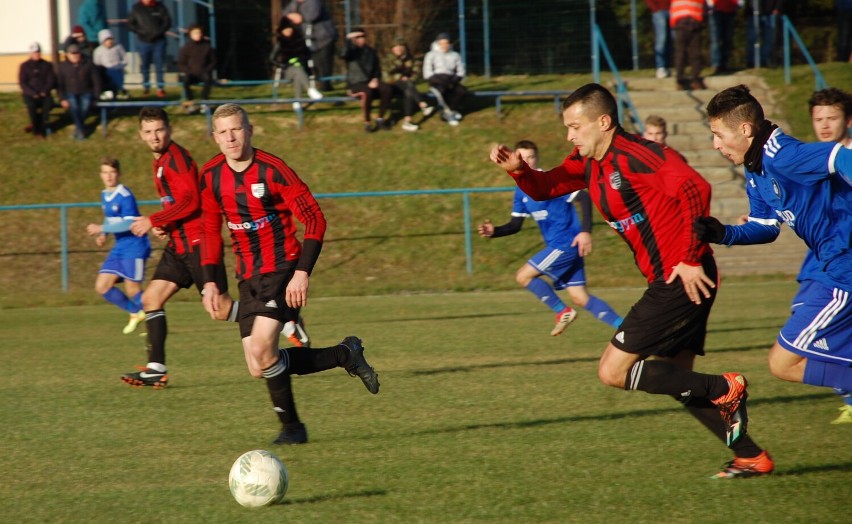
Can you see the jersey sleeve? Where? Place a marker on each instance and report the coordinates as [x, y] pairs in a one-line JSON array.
[[306, 209], [840, 162], [799, 162], [561, 180], [519, 208], [184, 185], [212, 245]]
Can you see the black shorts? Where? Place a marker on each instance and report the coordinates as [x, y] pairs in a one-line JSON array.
[[665, 322], [185, 270], [264, 296]]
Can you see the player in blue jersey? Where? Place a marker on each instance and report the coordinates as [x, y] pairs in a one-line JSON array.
[[566, 240], [808, 187], [126, 261]]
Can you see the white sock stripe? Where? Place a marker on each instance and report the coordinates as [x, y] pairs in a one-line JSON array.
[[636, 374], [284, 358], [154, 314], [279, 367], [823, 318]]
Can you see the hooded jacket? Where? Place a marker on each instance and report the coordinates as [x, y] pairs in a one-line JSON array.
[[114, 57], [438, 62], [150, 23]]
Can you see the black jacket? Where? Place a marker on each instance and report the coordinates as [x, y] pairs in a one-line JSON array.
[[196, 58], [362, 63], [77, 79], [149, 23], [36, 77], [288, 48]]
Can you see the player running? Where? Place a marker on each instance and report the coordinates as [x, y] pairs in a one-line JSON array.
[[650, 196], [566, 240]]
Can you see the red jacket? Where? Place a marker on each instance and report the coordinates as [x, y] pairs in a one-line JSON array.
[[681, 9]]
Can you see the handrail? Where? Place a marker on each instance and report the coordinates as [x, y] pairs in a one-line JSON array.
[[788, 29], [465, 192], [623, 96]]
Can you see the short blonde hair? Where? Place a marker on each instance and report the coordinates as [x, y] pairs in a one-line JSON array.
[[230, 109]]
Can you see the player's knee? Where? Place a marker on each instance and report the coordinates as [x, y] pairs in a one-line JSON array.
[[579, 298], [101, 289], [522, 278], [609, 376]]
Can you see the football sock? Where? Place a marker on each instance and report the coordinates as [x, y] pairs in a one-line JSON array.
[[233, 315], [662, 378], [281, 390], [155, 324], [304, 361], [827, 374], [603, 311], [137, 302], [708, 414], [115, 296], [845, 395], [546, 294]]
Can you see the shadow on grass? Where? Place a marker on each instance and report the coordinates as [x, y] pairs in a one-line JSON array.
[[336, 497], [805, 470], [495, 365], [767, 323]]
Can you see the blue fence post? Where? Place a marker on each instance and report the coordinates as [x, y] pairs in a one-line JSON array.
[[468, 245], [63, 241]]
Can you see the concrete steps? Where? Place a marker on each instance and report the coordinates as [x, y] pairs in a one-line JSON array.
[[689, 134]]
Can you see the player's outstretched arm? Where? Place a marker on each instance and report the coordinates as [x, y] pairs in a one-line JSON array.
[[506, 158]]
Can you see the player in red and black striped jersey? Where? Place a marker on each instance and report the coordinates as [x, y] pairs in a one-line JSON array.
[[176, 180], [651, 197], [257, 195]]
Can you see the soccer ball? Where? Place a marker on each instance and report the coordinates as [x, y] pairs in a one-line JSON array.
[[258, 478]]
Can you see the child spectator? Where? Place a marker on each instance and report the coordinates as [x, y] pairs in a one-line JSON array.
[[401, 75], [196, 61], [444, 70], [291, 57], [126, 261], [364, 78], [112, 57]]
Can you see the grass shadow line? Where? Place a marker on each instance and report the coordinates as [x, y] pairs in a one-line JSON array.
[[335, 497]]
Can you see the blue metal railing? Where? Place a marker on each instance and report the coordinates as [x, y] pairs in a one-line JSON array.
[[465, 192], [599, 47], [788, 30]]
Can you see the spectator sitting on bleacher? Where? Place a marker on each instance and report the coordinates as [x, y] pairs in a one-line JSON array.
[[290, 57], [111, 57], [37, 80], [401, 74], [196, 62], [79, 84], [364, 78], [77, 36], [444, 70]]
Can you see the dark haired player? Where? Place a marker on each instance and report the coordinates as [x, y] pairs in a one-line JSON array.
[[257, 195], [650, 196], [176, 180]]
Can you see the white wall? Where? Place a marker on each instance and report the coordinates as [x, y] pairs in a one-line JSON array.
[[26, 21]]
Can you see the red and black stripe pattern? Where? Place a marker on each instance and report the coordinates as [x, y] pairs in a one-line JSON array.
[[176, 179]]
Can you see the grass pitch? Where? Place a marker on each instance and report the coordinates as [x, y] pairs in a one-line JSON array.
[[482, 417]]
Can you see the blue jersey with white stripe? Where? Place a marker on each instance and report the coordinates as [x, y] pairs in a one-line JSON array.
[[799, 185], [556, 218], [119, 206]]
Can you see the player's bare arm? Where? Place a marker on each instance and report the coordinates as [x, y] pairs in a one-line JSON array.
[[583, 243], [506, 158], [210, 299], [297, 289], [695, 282]]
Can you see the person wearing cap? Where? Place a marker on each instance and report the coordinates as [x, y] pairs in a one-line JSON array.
[[111, 57], [149, 20], [364, 78], [92, 17], [37, 80], [444, 69], [79, 83], [401, 74], [77, 36]]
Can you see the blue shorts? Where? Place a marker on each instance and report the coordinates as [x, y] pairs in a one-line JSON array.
[[564, 268], [132, 269], [820, 327]]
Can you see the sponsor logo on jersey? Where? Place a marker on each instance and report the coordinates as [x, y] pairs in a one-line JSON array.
[[258, 190], [253, 225], [160, 172], [788, 217], [776, 188], [615, 180], [539, 215], [626, 223]]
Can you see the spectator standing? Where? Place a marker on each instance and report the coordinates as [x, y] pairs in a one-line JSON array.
[[196, 62], [686, 17], [723, 17], [79, 83], [769, 13], [844, 30], [444, 69], [662, 35], [401, 75], [37, 80], [320, 35], [290, 56], [92, 17], [364, 78], [112, 57], [149, 20]]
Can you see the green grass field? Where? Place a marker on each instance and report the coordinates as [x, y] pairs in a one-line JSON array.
[[482, 417]]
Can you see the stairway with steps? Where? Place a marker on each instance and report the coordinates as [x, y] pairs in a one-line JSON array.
[[689, 134]]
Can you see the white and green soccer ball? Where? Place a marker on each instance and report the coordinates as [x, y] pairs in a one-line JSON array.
[[258, 478]]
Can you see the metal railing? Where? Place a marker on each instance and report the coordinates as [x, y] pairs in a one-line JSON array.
[[789, 31], [599, 48], [464, 192]]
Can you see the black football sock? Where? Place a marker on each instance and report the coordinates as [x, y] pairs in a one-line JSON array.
[[304, 361], [708, 414], [662, 378], [281, 391], [155, 325]]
